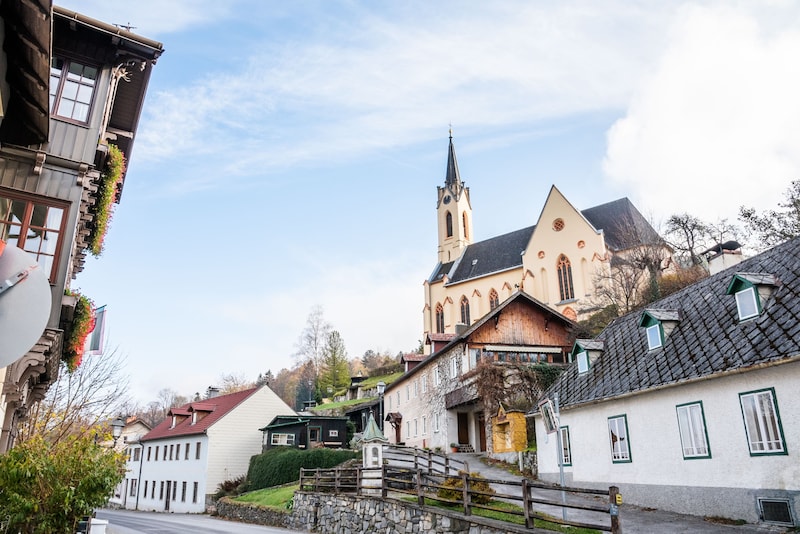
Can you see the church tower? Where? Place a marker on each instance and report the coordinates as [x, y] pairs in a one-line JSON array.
[[453, 211]]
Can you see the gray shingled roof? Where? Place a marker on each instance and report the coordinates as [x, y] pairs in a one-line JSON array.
[[709, 339], [616, 218], [491, 256]]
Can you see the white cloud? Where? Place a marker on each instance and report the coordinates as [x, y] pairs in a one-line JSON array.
[[717, 123]]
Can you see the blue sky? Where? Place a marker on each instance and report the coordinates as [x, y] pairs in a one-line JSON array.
[[289, 153]]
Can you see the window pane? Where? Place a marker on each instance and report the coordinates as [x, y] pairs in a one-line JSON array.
[[619, 439], [746, 303], [761, 423], [653, 336], [81, 112]]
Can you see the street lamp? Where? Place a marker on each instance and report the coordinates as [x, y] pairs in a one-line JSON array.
[[310, 392], [116, 429], [381, 390]]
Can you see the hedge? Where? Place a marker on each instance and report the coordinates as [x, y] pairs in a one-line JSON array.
[[282, 465]]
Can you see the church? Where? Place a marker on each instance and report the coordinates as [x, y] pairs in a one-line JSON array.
[[562, 260]]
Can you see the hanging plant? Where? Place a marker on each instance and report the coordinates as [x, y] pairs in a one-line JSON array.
[[110, 179], [83, 322]]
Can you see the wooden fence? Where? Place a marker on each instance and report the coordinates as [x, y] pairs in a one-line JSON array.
[[425, 460], [533, 501]]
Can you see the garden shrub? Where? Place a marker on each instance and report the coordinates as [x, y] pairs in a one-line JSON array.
[[236, 486], [282, 465], [454, 489]]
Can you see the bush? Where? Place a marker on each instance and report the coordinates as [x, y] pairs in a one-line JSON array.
[[282, 465], [237, 486], [454, 489]]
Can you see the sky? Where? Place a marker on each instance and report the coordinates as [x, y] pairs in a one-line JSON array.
[[289, 153]]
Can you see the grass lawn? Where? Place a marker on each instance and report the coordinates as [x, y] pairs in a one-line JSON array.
[[276, 498]]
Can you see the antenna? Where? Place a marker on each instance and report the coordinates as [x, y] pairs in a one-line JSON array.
[[127, 27]]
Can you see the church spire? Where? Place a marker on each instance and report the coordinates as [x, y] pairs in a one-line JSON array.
[[452, 178]]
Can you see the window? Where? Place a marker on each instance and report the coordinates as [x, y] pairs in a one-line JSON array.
[[161, 491], [148, 453], [145, 489], [583, 362], [314, 433], [436, 422], [71, 89], [425, 383], [165, 453], [174, 490], [137, 454], [762, 422], [333, 433], [171, 450], [654, 336], [197, 452], [416, 388], [416, 428], [194, 494], [465, 310], [282, 439], [437, 379], [424, 425], [747, 303], [408, 391], [153, 490], [618, 435], [183, 491], [566, 449], [449, 224], [455, 366], [565, 288], [408, 429], [494, 299], [133, 487], [156, 453], [178, 451], [464, 224], [692, 426], [398, 398], [186, 457], [439, 319], [36, 226]]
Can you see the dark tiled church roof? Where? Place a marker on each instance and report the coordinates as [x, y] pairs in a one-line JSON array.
[[622, 224], [708, 339], [492, 255]]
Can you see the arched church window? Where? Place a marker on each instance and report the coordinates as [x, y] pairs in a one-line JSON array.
[[565, 287], [439, 319], [494, 299], [464, 224], [465, 310], [449, 224]]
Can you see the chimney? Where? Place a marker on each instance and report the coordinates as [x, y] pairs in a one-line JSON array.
[[212, 392]]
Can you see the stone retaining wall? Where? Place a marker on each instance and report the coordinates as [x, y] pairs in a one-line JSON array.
[[252, 513], [334, 514]]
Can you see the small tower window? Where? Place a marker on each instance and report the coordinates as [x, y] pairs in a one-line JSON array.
[[494, 299], [449, 224], [439, 319], [565, 287], [464, 224], [465, 310]]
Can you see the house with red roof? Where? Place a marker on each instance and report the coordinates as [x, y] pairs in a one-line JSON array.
[[198, 446]]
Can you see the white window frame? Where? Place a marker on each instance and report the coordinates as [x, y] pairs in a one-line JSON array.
[[692, 428], [747, 299], [654, 341], [416, 427], [408, 391], [455, 366], [583, 362], [416, 388], [621, 447], [424, 425], [333, 433], [282, 439], [437, 376], [408, 429], [425, 383], [762, 422], [436, 422]]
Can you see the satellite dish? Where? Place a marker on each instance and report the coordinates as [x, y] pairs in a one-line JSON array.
[[25, 301]]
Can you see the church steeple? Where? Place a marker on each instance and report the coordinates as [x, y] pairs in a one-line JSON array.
[[454, 212]]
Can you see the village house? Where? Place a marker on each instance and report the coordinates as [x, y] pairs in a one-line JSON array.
[[66, 107], [436, 403], [305, 431], [200, 445], [690, 404]]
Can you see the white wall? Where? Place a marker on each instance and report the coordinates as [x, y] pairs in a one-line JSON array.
[[657, 459], [178, 469]]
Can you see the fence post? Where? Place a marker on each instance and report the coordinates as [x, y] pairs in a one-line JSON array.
[[420, 493], [358, 480], [430, 462], [384, 481], [466, 495], [316, 480], [526, 504], [337, 481], [614, 499]]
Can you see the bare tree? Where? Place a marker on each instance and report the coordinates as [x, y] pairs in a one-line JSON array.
[[772, 227], [311, 345], [80, 402], [233, 382]]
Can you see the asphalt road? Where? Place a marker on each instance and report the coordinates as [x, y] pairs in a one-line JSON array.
[[129, 522]]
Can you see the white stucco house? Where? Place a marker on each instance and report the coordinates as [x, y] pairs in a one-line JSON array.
[[129, 442], [691, 404], [198, 446]]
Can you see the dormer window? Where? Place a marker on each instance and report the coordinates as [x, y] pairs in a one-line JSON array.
[[174, 421], [751, 291], [586, 351], [194, 418], [654, 340], [658, 325]]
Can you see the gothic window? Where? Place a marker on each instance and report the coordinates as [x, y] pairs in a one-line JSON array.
[[464, 223], [494, 300], [565, 287], [449, 223], [465, 310], [439, 319]]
